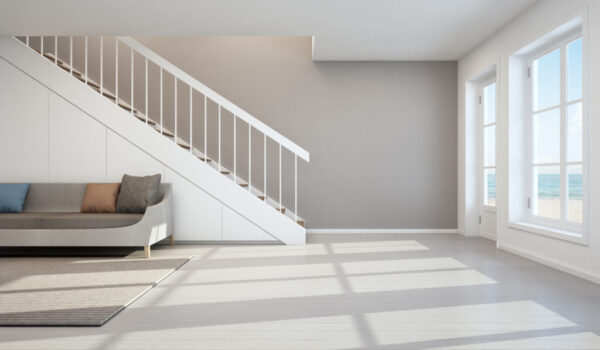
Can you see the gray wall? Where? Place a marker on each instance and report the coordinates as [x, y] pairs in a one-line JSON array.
[[381, 135]]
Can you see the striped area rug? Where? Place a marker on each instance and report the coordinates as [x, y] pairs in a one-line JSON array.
[[70, 291]]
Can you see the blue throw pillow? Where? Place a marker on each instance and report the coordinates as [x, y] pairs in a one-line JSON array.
[[12, 197]]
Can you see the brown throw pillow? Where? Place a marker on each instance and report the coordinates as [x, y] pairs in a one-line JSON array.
[[100, 198]]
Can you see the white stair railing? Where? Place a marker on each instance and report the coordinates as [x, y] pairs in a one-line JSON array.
[[194, 86]]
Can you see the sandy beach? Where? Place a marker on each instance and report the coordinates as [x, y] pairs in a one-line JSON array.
[[551, 208]]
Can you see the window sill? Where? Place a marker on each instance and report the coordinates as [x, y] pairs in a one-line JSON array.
[[569, 236]]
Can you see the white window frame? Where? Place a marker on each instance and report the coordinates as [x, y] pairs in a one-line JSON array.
[[482, 126], [562, 225]]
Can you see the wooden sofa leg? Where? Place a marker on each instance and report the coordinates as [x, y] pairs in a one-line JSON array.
[[172, 240], [147, 251]]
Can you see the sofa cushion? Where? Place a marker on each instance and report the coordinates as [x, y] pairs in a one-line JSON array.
[[66, 220], [100, 198], [137, 193], [12, 197]]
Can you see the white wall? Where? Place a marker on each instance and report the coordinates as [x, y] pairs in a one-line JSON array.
[[44, 138], [583, 260]]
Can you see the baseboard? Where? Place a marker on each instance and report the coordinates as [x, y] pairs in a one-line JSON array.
[[377, 230], [552, 263], [200, 242]]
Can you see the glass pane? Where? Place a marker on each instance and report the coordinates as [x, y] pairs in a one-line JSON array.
[[575, 192], [574, 70], [546, 191], [489, 144], [489, 187], [546, 80], [546, 137], [574, 133], [489, 104]]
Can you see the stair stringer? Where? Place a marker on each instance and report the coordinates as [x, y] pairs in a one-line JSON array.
[[179, 160]]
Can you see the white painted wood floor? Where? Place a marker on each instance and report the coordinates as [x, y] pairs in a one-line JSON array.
[[347, 292]]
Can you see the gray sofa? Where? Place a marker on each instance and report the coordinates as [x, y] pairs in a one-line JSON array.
[[51, 218]]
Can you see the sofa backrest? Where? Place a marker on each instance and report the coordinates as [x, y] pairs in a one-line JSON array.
[[61, 197]]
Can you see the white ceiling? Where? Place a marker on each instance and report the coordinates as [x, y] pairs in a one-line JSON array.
[[343, 29]]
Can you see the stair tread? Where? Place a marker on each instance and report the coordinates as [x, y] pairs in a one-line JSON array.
[[124, 106], [89, 82], [166, 133], [105, 93], [225, 172], [50, 56], [143, 119], [183, 145], [92, 83], [68, 69], [243, 185], [208, 160], [300, 222]]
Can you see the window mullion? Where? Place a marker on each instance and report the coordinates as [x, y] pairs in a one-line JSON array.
[[530, 175], [563, 133]]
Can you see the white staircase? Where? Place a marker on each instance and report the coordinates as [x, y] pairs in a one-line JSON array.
[[189, 154]]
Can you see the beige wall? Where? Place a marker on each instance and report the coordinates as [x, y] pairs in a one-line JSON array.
[[381, 135]]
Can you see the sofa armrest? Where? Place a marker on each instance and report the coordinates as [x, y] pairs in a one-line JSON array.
[[158, 218]]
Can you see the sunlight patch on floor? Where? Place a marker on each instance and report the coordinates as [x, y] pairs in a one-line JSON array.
[[215, 275], [401, 265], [417, 280], [268, 251], [377, 247], [572, 341], [187, 293], [420, 325], [328, 332]]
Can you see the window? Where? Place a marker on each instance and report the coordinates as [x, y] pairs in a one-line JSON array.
[[488, 116], [556, 146]]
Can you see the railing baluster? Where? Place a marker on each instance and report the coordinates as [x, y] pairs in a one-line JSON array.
[[146, 92], [295, 187], [86, 60], [220, 103], [265, 166], [71, 55], [56, 49], [101, 65], [161, 100], [117, 71], [132, 96], [205, 123], [27, 40], [234, 150], [249, 157], [175, 106], [219, 148], [42, 45], [191, 117], [280, 204]]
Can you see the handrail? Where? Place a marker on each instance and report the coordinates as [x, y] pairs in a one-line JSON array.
[[214, 96]]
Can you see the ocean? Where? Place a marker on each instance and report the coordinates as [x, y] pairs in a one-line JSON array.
[[548, 186]]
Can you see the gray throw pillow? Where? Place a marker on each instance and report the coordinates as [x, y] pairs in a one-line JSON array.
[[138, 192]]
